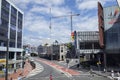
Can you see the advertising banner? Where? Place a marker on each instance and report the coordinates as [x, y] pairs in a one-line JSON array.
[[111, 17]]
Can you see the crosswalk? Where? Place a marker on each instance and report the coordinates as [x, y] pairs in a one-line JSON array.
[[39, 68]]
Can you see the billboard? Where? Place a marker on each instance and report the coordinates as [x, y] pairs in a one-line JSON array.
[[112, 28], [111, 17]]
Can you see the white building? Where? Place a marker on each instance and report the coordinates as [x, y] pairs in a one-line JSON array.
[[63, 52]]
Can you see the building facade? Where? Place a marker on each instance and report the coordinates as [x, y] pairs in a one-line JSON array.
[[11, 28], [109, 28], [63, 52], [87, 46]]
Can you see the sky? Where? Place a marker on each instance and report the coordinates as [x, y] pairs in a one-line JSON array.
[[37, 15]]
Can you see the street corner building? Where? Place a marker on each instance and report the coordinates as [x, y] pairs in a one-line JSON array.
[[11, 28], [109, 34]]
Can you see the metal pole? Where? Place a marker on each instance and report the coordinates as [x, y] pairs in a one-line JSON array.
[[7, 56], [71, 22], [78, 48], [105, 62], [50, 34]]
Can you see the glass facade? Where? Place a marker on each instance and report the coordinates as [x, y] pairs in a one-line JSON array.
[[112, 29], [4, 22], [13, 26], [19, 32], [16, 18]]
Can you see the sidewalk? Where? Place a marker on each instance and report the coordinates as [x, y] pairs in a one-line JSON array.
[[99, 73], [24, 72]]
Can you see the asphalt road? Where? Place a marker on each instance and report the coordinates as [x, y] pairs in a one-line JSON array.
[[56, 75], [45, 75]]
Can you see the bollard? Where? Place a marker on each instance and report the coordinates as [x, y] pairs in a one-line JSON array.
[[112, 73], [51, 77]]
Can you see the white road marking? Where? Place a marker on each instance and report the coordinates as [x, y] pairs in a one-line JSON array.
[[39, 68]]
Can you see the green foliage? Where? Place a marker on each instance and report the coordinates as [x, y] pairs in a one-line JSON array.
[[70, 46], [46, 44]]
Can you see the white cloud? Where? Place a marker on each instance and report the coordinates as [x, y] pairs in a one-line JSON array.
[[89, 4], [24, 3], [88, 24], [55, 10]]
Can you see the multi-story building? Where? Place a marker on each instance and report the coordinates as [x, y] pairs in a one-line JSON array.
[[109, 29], [49, 51], [63, 52], [87, 45], [11, 28]]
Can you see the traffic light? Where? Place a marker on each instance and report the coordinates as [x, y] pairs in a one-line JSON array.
[[72, 36]]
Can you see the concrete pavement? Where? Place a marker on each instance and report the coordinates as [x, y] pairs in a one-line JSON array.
[[20, 72], [84, 72]]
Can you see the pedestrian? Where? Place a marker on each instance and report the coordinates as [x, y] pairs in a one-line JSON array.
[[50, 77]]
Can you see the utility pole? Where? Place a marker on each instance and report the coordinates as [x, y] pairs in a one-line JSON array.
[[50, 27], [71, 22], [7, 56], [7, 47]]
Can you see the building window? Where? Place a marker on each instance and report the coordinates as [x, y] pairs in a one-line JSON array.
[[13, 27], [4, 23], [19, 45], [61, 49], [2, 43], [12, 44], [13, 20], [2, 55], [20, 16], [5, 14], [13, 11], [5, 4]]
